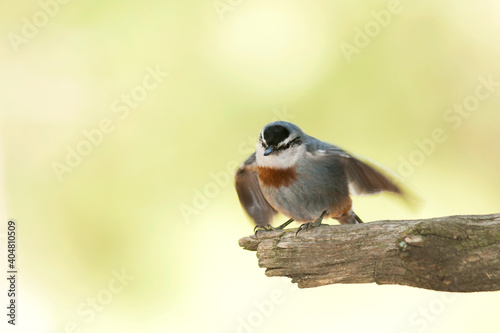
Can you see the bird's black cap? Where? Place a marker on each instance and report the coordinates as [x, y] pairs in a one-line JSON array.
[[275, 134]]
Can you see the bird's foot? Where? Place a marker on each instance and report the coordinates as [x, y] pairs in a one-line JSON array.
[[310, 225], [266, 227], [269, 227]]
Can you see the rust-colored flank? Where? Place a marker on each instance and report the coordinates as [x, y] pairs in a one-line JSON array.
[[277, 177], [341, 209]]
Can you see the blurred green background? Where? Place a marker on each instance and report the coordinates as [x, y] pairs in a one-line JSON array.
[[151, 199]]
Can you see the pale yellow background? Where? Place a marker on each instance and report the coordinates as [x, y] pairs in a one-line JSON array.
[[230, 73]]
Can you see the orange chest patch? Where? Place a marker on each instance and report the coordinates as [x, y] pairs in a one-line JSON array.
[[277, 177]]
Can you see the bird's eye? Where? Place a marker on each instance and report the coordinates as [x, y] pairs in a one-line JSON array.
[[294, 142]]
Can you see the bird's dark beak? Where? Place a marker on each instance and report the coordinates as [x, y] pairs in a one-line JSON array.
[[269, 150]]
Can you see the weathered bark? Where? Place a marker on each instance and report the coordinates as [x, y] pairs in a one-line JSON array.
[[453, 253]]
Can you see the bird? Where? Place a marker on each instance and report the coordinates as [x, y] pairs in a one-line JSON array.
[[303, 178]]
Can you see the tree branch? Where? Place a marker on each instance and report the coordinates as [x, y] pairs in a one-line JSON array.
[[452, 253]]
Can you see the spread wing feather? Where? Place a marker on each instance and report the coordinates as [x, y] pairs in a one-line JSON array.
[[250, 194], [363, 178]]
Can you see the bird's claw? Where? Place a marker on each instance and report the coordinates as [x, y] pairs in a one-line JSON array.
[[306, 226], [269, 227], [266, 227], [309, 225]]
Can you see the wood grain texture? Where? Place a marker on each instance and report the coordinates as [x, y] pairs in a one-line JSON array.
[[452, 253]]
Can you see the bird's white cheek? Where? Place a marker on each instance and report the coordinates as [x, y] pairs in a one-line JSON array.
[[259, 153]]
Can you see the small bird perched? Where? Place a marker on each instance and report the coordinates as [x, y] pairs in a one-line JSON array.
[[303, 178]]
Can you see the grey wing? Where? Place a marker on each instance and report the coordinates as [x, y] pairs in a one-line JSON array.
[[363, 177], [250, 194]]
